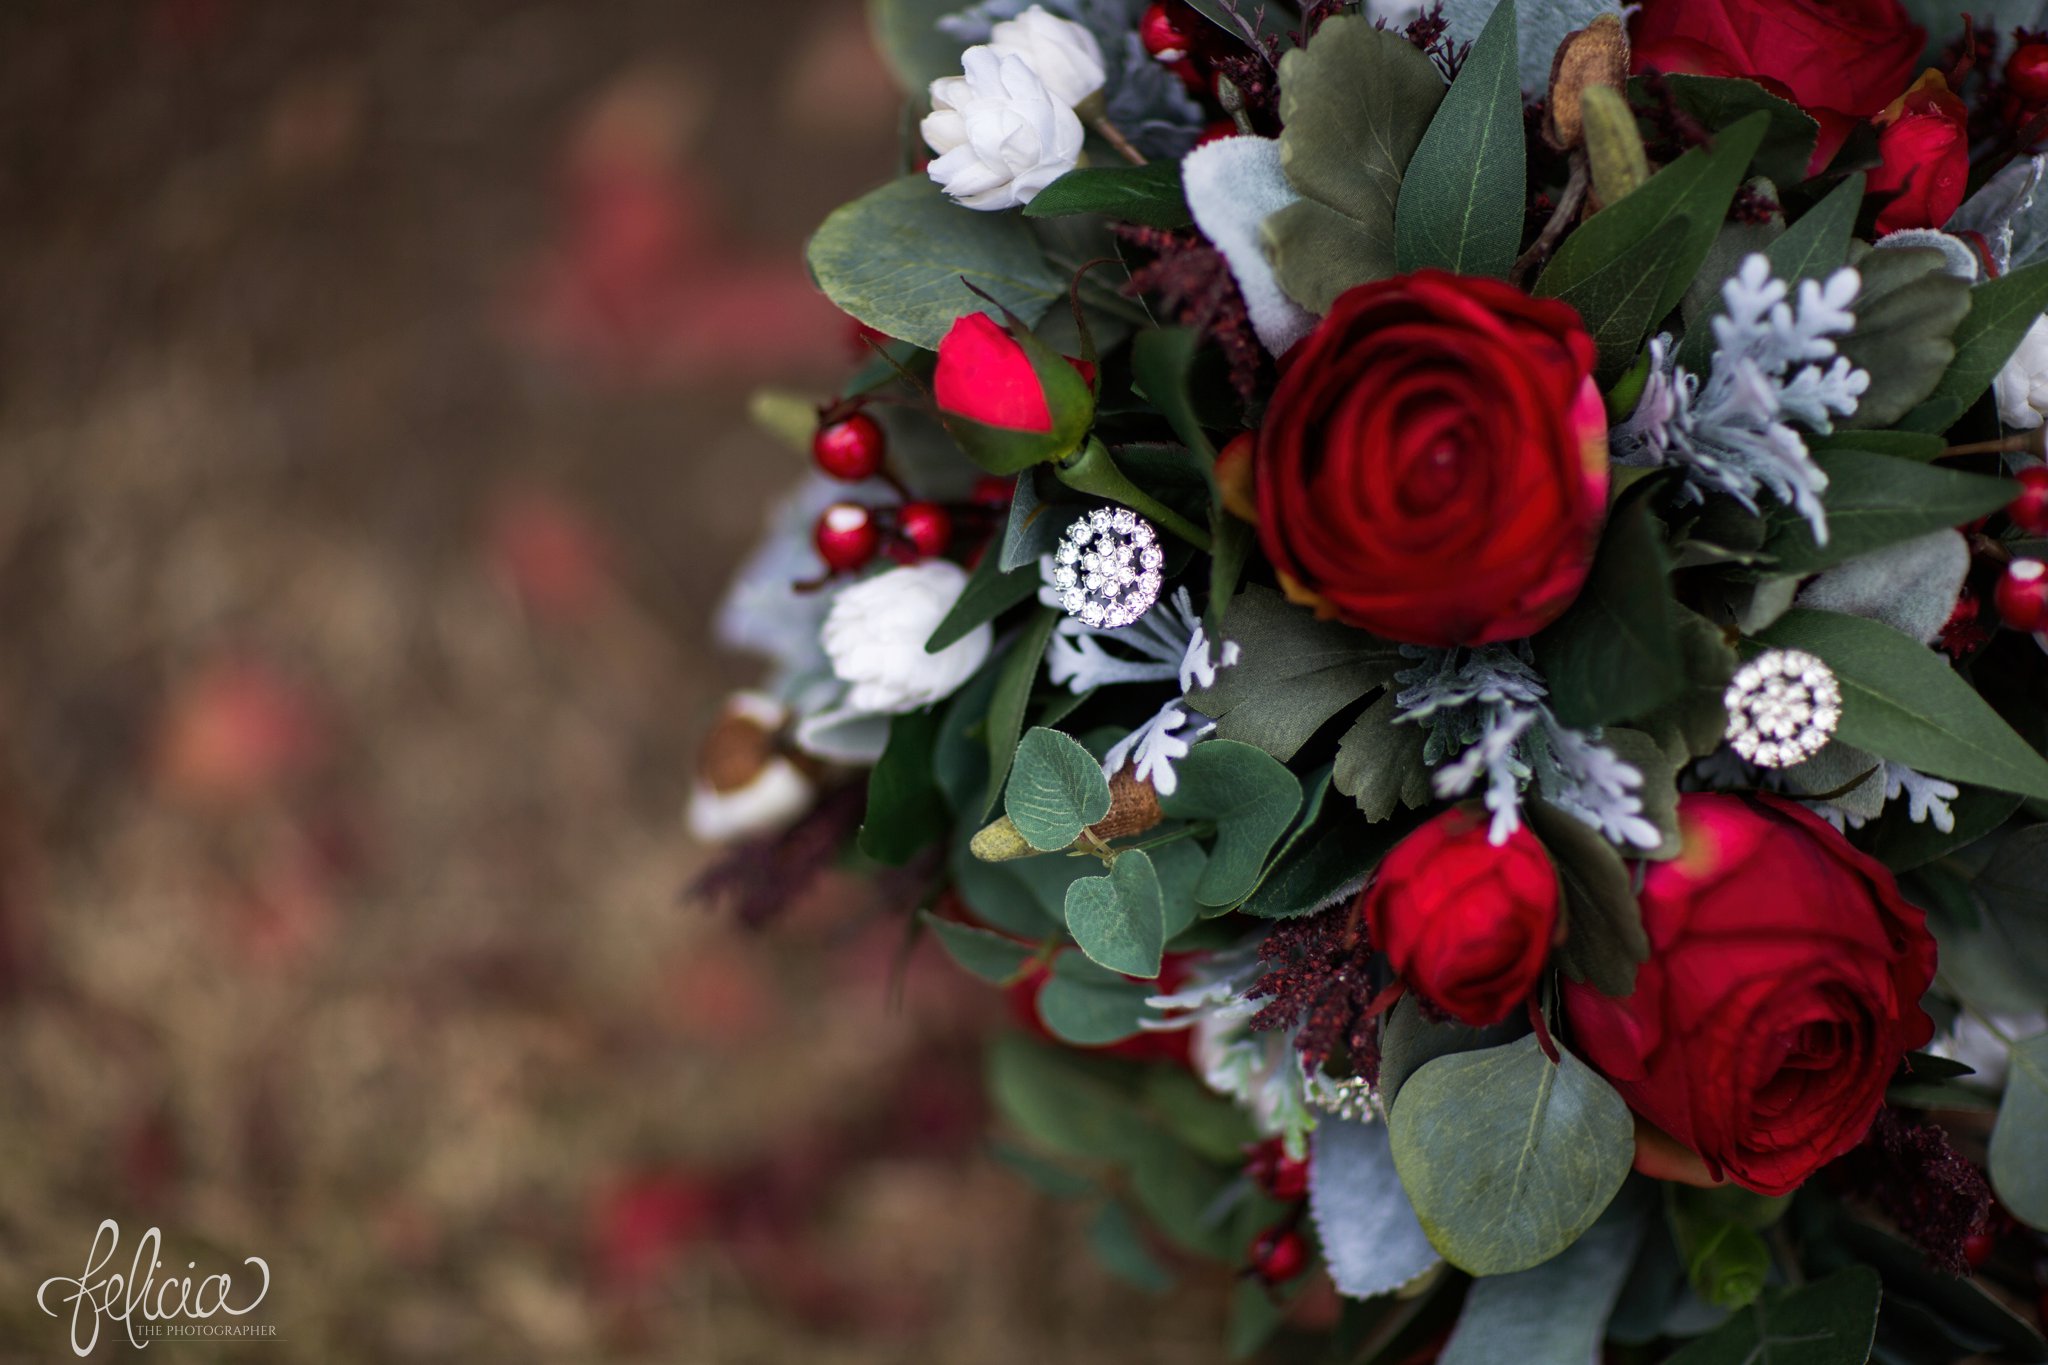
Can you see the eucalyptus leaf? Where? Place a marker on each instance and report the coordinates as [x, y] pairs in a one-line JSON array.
[[2019, 1144], [1120, 1248], [1462, 196], [1251, 798], [990, 957], [1065, 1102], [916, 49], [1828, 1323], [1007, 703], [1903, 702], [1119, 920], [901, 257], [1088, 1005], [1409, 1039], [1508, 1157], [1056, 789]]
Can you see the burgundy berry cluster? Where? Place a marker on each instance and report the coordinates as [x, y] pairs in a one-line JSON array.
[[851, 446], [1279, 1253]]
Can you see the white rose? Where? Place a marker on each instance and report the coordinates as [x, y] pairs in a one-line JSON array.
[[1000, 135], [875, 636], [1061, 53], [2022, 386]]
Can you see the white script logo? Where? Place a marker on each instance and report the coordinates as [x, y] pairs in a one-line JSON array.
[[119, 1297]]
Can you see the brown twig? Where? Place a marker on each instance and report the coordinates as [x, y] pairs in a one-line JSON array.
[[1114, 136], [1561, 218]]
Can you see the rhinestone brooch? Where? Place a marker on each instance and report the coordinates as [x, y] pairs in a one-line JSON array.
[[1107, 568], [1783, 705]]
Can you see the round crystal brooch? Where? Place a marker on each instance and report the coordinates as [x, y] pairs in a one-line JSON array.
[[1782, 707], [1107, 568]]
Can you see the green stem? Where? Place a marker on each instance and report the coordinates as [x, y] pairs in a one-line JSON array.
[[1094, 470]]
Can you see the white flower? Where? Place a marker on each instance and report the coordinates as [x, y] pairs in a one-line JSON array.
[[875, 636], [1061, 53], [1000, 135], [2022, 386]]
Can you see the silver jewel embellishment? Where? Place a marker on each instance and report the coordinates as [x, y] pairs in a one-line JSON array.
[[1783, 705], [1107, 568]]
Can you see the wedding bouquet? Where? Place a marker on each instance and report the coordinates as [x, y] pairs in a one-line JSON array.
[[1453, 603]]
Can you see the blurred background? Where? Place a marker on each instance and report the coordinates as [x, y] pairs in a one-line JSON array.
[[373, 451]]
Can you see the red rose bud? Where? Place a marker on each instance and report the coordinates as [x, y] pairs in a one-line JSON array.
[[2026, 71], [1925, 144], [1010, 400], [1467, 925], [1839, 60], [2029, 511], [1433, 467], [2022, 596], [1782, 989]]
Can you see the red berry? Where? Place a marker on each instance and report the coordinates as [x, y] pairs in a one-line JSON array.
[[1217, 130], [1277, 1173], [2023, 595], [851, 449], [2026, 71], [993, 491], [1166, 39], [2029, 511], [846, 537], [1278, 1255], [927, 526], [1978, 1246]]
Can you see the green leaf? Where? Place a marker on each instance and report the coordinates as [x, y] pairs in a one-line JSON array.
[[1179, 1192], [1462, 196], [1089, 1005], [1252, 799], [1409, 1040], [1810, 249], [1065, 1102], [1380, 763], [1121, 1249], [1119, 920], [1902, 445], [1508, 1158], [989, 593], [1875, 500], [2001, 311], [1993, 929], [1319, 864], [896, 258], [1901, 844], [1717, 1235], [1697, 189], [906, 810], [1694, 722], [1903, 702], [1614, 655], [1354, 104], [1604, 938], [916, 49], [1148, 194], [1161, 360], [1619, 301], [2019, 1144], [1659, 792], [1293, 674], [1056, 790], [1198, 1117], [1718, 102], [979, 953], [1906, 316], [1829, 1323], [1012, 694]]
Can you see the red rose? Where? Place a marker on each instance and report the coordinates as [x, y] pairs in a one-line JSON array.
[[1926, 149], [1783, 986], [1839, 60], [1466, 925], [1433, 467]]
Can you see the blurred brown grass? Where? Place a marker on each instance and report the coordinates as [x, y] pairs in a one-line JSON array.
[[371, 455]]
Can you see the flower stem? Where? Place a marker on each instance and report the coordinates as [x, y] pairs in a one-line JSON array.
[[1114, 136], [2033, 442], [1094, 470], [1561, 217]]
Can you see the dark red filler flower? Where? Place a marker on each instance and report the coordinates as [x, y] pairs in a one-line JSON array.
[[1782, 989], [1433, 466], [1839, 60], [1466, 925]]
